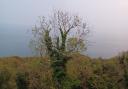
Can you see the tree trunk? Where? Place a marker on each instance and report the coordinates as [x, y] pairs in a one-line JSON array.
[[64, 36]]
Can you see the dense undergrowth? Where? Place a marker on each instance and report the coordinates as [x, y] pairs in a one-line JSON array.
[[82, 73]]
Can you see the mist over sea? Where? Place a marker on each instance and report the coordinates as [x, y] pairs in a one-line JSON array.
[[107, 20], [14, 41]]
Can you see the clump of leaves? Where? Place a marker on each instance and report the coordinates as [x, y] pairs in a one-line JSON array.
[[22, 80], [4, 79], [69, 83]]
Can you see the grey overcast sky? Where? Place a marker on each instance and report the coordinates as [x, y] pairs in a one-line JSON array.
[[107, 19]]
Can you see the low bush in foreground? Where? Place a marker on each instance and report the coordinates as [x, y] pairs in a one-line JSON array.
[[82, 73]]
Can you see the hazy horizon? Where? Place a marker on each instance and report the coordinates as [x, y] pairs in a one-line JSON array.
[[107, 20]]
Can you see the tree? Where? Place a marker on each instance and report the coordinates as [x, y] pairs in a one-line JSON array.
[[75, 44], [54, 37]]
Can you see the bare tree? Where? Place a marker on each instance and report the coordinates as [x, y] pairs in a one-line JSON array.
[[68, 31], [58, 35]]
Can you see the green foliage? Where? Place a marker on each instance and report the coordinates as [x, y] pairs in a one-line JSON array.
[[123, 61], [4, 79], [126, 79], [81, 73], [22, 80], [57, 61], [101, 82], [52, 34], [75, 44], [69, 83], [59, 68]]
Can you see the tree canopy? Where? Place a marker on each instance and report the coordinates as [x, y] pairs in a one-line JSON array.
[[58, 36], [67, 32]]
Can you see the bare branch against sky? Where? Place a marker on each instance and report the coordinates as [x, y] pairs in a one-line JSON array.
[[108, 19]]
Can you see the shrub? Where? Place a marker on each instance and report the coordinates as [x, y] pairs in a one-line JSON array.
[[22, 80], [4, 79], [126, 79], [69, 83], [101, 82]]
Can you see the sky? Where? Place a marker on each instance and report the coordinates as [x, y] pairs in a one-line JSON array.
[[107, 20]]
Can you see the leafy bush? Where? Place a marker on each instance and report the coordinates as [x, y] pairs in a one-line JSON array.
[[69, 83], [126, 79], [82, 73], [101, 82], [22, 80], [4, 79]]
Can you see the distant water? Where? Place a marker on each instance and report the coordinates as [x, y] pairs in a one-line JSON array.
[[14, 41], [107, 44]]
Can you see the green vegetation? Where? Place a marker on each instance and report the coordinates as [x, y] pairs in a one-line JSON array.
[[60, 64], [52, 35], [82, 73]]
